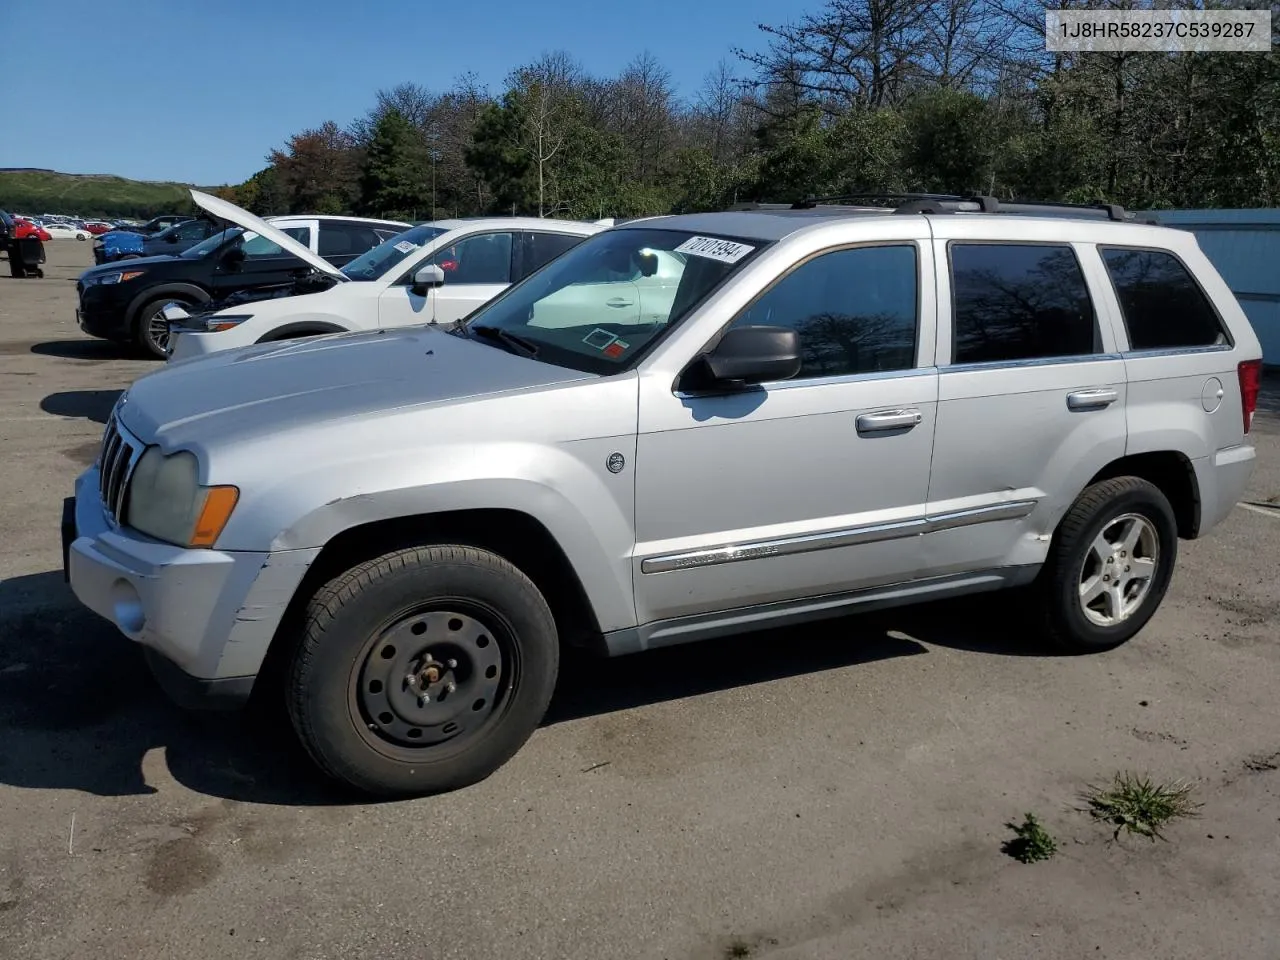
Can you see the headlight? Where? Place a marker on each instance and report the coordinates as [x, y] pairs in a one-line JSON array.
[[120, 277], [167, 502], [207, 322], [213, 322]]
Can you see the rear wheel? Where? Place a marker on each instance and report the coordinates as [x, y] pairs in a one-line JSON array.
[[1110, 565], [423, 670]]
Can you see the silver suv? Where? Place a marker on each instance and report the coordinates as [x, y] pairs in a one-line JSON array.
[[810, 412]]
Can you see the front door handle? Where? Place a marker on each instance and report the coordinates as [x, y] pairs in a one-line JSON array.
[[888, 420], [619, 302], [1092, 399]]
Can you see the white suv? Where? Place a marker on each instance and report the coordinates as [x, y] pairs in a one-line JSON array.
[[435, 272]]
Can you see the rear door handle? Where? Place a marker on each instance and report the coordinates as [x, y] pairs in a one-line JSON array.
[[619, 302], [888, 420], [1092, 399]]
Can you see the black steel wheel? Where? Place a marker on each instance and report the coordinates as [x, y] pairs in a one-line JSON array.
[[423, 670], [435, 676]]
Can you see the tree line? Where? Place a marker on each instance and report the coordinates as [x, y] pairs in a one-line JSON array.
[[948, 96]]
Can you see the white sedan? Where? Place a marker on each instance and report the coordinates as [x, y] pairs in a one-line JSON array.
[[64, 231]]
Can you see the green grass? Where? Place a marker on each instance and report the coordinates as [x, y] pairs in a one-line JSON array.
[[1136, 804], [1030, 842], [34, 192]]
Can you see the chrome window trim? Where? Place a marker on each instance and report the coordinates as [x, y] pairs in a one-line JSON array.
[[833, 380], [1176, 351], [1029, 362], [831, 539]]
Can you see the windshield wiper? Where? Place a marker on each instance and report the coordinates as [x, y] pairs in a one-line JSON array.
[[514, 343]]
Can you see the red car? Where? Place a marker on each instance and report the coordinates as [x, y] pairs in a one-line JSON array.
[[97, 227], [25, 228]]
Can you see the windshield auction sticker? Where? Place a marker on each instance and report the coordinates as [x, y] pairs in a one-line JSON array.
[[404, 246], [726, 251]]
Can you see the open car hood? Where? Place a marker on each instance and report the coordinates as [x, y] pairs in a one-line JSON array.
[[243, 218]]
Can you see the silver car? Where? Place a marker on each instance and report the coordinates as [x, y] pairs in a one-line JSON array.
[[834, 409]]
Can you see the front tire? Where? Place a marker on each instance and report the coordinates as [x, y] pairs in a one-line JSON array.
[[422, 671], [151, 330], [1109, 565]]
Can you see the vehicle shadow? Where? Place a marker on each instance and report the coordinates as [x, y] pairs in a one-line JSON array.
[[85, 350], [92, 405], [80, 711]]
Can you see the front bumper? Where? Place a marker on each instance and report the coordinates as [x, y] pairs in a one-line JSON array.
[[184, 344], [206, 617], [101, 313]]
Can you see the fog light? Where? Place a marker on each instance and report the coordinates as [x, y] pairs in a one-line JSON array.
[[126, 607]]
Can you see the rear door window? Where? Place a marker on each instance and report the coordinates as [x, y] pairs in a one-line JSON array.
[[1162, 305], [539, 249], [1015, 302]]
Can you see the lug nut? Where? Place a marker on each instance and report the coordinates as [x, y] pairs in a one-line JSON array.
[[451, 664], [1106, 578], [451, 686]]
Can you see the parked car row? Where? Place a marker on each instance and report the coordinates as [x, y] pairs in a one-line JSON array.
[[543, 434], [123, 300]]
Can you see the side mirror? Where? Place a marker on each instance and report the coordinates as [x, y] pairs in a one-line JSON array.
[[747, 355], [427, 278], [171, 238], [233, 258]]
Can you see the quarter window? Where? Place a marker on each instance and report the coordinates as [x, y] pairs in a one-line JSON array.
[[481, 258], [855, 310], [1020, 302], [1162, 305]]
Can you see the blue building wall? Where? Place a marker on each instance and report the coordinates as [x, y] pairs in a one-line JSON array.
[[1245, 247]]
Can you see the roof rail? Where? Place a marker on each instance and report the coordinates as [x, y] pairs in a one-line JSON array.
[[941, 203], [753, 205], [926, 202]]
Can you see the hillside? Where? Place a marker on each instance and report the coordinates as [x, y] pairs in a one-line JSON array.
[[35, 192]]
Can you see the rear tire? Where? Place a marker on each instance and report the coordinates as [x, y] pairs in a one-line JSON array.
[[1109, 565], [459, 626]]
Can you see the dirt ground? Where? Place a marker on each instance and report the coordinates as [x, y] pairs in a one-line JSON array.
[[833, 792]]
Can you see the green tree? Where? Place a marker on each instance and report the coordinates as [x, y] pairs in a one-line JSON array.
[[395, 177]]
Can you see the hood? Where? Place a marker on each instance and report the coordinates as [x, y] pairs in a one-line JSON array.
[[243, 218], [115, 266], [121, 241], [274, 388]]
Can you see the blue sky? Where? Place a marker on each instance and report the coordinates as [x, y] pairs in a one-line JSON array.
[[200, 91]]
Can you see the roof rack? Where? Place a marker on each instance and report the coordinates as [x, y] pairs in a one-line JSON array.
[[939, 203]]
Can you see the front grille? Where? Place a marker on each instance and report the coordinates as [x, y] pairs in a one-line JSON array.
[[119, 456]]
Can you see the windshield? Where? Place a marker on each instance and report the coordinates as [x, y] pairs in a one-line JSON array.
[[211, 243], [597, 307], [372, 264]]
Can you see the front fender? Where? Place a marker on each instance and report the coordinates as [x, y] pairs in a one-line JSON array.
[[565, 487], [188, 291]]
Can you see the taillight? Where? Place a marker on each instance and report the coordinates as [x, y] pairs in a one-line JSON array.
[[1250, 373]]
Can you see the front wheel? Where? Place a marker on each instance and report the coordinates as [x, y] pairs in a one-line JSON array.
[[151, 329], [1110, 565], [423, 670]]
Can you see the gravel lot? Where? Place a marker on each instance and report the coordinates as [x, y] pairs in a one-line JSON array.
[[834, 792]]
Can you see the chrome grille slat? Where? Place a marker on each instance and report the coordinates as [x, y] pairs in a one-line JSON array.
[[120, 454]]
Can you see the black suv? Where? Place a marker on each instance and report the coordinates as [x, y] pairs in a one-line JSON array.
[[123, 301]]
